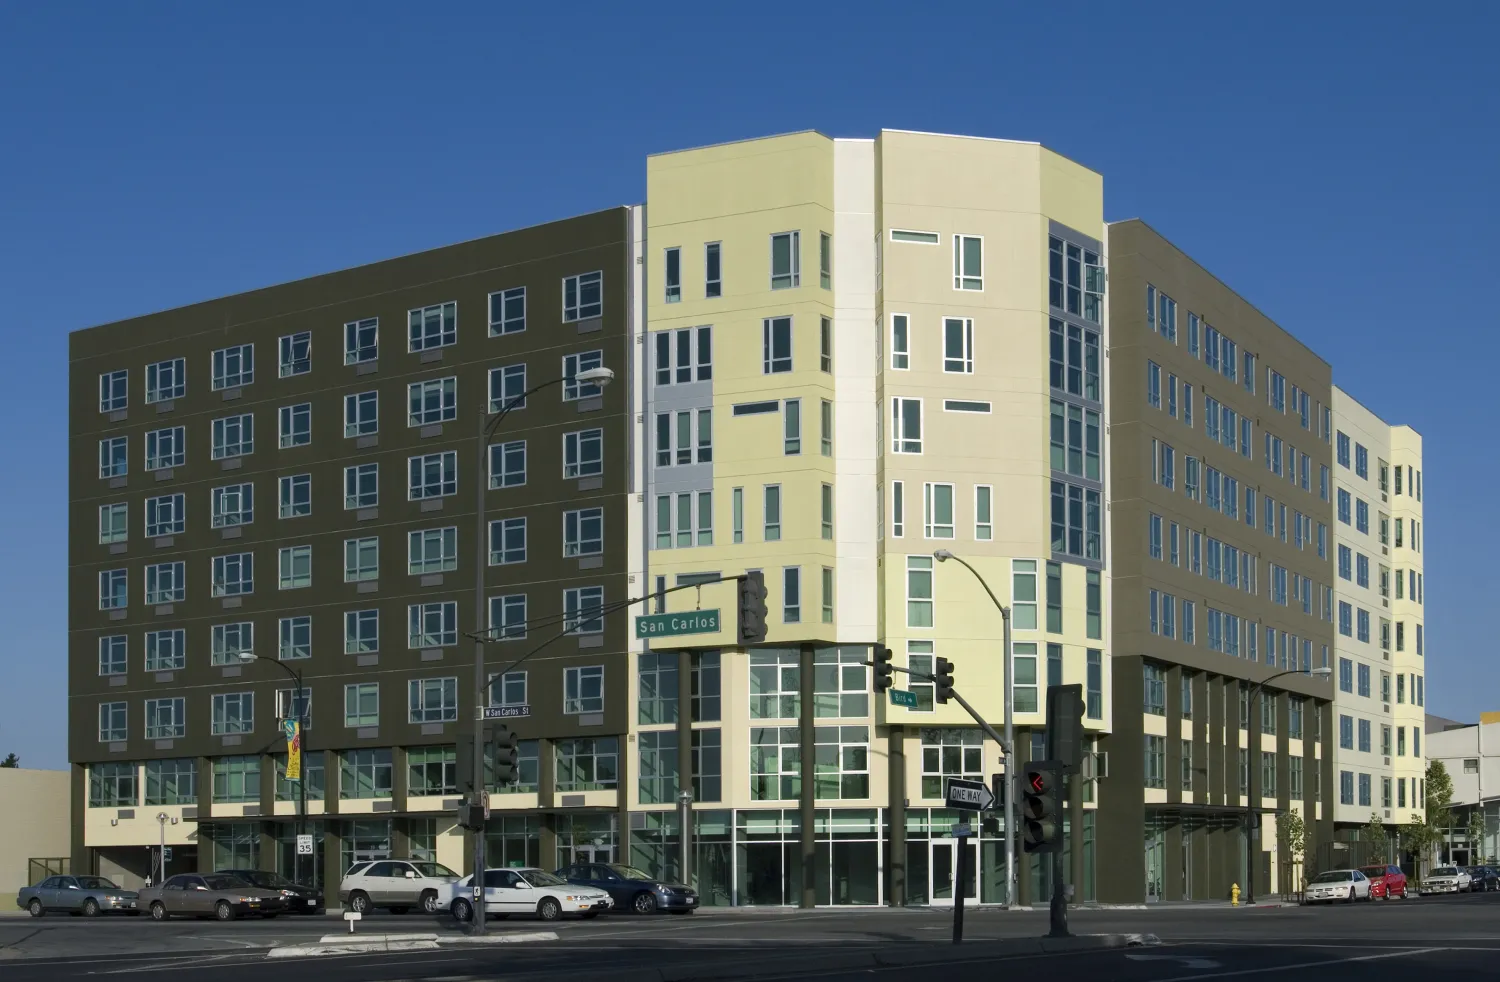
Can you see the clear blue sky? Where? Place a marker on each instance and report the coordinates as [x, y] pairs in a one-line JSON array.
[[1336, 166]]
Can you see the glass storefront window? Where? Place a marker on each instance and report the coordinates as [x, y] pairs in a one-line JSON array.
[[365, 840], [236, 845], [512, 841]]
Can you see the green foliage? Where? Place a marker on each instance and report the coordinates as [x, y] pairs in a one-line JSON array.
[[1374, 832], [11, 760], [1291, 833]]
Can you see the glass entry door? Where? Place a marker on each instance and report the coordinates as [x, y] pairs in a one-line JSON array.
[[943, 865], [587, 854], [1156, 848]]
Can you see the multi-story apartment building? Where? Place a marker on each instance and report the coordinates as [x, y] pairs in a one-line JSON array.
[[861, 352], [1220, 441], [290, 475], [1376, 523]]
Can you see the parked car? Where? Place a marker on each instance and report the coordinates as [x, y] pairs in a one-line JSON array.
[[398, 885], [209, 895], [1386, 882], [86, 895], [1483, 879], [1333, 885], [299, 898], [525, 891], [1447, 879], [631, 889]]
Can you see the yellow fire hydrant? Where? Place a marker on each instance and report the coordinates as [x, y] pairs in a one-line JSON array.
[[1234, 895]]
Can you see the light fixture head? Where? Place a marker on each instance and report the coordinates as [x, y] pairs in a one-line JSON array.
[[600, 376], [1321, 673], [942, 555], [247, 656]]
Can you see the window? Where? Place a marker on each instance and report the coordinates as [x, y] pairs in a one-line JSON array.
[[508, 616], [1153, 538], [919, 596], [791, 417], [583, 453], [786, 260], [583, 532], [713, 275], [295, 637], [906, 429], [296, 567], [968, 262], [164, 448], [1156, 762], [825, 261], [166, 651], [361, 486], [296, 495], [432, 700], [432, 475], [1074, 359], [508, 311], [113, 457], [432, 327], [776, 345], [432, 771], [1077, 521], [233, 366], [684, 355], [296, 425], [361, 415], [361, 341], [236, 779], [361, 632], [827, 523], [112, 723], [1023, 594], [166, 380], [898, 511], [432, 551], [772, 513], [1024, 665], [958, 345], [900, 343], [112, 655], [114, 520], [827, 595], [583, 610], [1155, 691], [365, 774], [171, 782], [114, 391], [1362, 515], [673, 264], [1342, 443], [825, 344], [1153, 385], [233, 712], [937, 511], [432, 625], [1344, 507], [166, 583], [233, 436], [433, 401], [791, 595], [588, 763], [572, 365], [583, 690], [983, 519], [230, 641], [508, 464]]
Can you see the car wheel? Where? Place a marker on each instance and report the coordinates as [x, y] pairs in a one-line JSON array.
[[399, 910], [359, 902], [35, 908], [549, 909], [159, 911], [462, 910], [1350, 899], [90, 907], [643, 903], [430, 902], [223, 911]]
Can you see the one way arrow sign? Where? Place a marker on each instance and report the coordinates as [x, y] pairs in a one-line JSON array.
[[968, 795]]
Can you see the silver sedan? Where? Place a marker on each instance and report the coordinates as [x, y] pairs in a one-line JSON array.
[[86, 895]]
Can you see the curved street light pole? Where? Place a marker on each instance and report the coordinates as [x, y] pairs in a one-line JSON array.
[[489, 424], [1009, 750], [1252, 765], [299, 707]]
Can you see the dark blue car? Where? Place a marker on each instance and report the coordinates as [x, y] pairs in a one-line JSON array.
[[632, 889]]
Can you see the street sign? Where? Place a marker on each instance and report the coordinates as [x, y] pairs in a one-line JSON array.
[[967, 795], [961, 831], [999, 789], [304, 845], [900, 698], [504, 712], [166, 854], [673, 625]]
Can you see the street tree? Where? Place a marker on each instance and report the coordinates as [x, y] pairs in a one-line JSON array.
[[1376, 836], [11, 760]]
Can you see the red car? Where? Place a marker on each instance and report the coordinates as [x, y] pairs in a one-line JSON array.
[[1386, 882]]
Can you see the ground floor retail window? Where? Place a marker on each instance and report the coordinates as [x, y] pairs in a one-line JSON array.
[[236, 845], [513, 840], [364, 841]]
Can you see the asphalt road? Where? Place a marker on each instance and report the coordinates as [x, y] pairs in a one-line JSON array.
[[1451, 933]]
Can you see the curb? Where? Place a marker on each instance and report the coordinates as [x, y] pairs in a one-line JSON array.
[[363, 944]]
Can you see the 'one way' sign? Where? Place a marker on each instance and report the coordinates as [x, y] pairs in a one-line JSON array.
[[968, 795]]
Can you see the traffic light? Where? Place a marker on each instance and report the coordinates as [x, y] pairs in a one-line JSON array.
[[752, 608], [943, 680], [881, 656], [504, 755], [1041, 806]]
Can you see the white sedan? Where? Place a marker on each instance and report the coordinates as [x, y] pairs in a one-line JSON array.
[[526, 891], [1447, 879], [1347, 885]]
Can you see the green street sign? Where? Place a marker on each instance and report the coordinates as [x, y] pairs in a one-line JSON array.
[[672, 625], [907, 699]]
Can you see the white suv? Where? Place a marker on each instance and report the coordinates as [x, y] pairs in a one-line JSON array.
[[526, 891], [395, 884]]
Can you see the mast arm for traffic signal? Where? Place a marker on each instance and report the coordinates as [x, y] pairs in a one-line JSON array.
[[989, 730]]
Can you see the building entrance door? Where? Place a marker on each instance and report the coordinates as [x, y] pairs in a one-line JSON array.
[[943, 864], [572, 855], [1155, 854]]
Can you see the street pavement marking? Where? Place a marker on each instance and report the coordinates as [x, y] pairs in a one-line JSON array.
[[1287, 968], [1188, 961]]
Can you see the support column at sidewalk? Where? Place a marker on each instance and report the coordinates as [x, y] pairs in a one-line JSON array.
[[685, 659], [807, 894], [895, 893]]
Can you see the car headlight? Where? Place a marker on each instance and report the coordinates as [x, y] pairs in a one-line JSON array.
[[247, 900]]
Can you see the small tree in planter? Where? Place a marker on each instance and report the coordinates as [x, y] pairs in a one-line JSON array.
[[1291, 840]]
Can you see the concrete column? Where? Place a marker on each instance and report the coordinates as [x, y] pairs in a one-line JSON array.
[[625, 784], [205, 811], [331, 784], [1119, 827], [333, 861], [546, 782], [685, 661], [400, 838], [895, 890], [1172, 760], [400, 779], [81, 857], [266, 848], [808, 894]]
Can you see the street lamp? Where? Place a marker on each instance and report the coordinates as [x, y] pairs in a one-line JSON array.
[[299, 708], [942, 556], [489, 423], [1253, 766]]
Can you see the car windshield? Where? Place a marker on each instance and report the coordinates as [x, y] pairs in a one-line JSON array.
[[434, 869], [96, 883], [1445, 871], [538, 878], [630, 872], [1372, 871], [223, 881], [1332, 876]]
